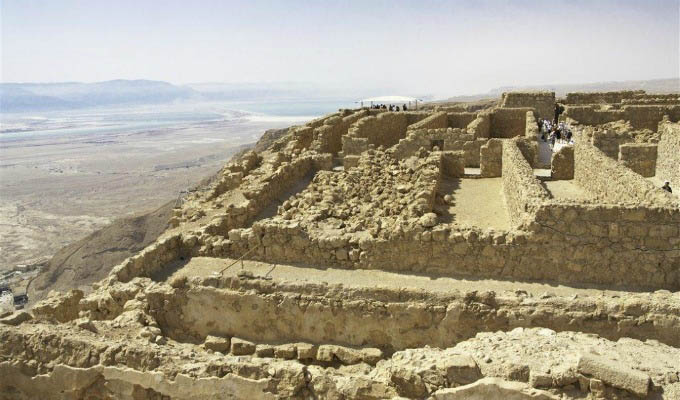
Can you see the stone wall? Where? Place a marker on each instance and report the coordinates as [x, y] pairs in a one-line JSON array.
[[508, 122], [521, 189], [385, 129], [480, 127], [452, 139], [668, 158], [328, 137], [435, 121], [562, 163], [453, 164], [640, 116], [639, 157], [543, 102], [460, 120], [610, 181], [491, 158], [601, 97]]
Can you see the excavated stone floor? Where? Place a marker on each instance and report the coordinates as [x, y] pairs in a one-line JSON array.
[[475, 202]]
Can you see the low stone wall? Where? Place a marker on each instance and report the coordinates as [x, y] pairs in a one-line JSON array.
[[562, 163], [612, 182], [601, 97], [668, 158], [508, 122], [480, 127], [435, 121], [383, 130], [460, 120], [328, 137], [452, 139], [543, 102], [491, 158], [521, 189], [640, 116], [639, 157], [453, 164]]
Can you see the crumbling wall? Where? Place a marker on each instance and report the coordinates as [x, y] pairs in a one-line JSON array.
[[601, 97], [508, 122], [668, 157], [480, 127], [383, 130], [491, 158], [612, 182], [452, 139], [543, 102], [639, 157], [639, 116], [453, 164], [435, 121], [562, 163], [521, 189], [328, 137], [460, 119]]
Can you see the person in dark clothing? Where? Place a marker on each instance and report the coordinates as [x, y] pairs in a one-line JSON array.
[[667, 187], [568, 135], [559, 109], [403, 107], [397, 108]]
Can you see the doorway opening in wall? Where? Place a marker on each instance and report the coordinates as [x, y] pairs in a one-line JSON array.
[[438, 143]]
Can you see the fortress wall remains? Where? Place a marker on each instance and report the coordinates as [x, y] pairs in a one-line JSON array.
[[435, 121], [639, 157], [508, 122], [453, 164], [263, 311], [610, 181], [480, 127], [491, 158], [668, 157], [521, 189], [639, 116], [601, 97], [453, 140], [543, 102], [608, 141], [562, 163], [460, 120], [383, 130], [328, 137]]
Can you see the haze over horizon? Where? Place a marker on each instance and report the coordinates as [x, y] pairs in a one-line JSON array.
[[437, 47]]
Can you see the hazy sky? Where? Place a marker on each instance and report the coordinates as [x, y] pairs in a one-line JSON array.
[[410, 47]]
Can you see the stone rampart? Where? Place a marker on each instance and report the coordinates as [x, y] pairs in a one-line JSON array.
[[328, 137], [543, 102], [383, 130], [639, 157], [491, 158], [668, 160], [452, 140], [480, 127], [639, 116], [601, 97]]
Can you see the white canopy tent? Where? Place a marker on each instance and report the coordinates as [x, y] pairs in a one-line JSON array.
[[396, 100]]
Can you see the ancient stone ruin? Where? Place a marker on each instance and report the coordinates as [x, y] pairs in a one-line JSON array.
[[444, 253]]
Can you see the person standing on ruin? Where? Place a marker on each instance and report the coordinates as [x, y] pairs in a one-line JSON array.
[[667, 187], [403, 107], [559, 109]]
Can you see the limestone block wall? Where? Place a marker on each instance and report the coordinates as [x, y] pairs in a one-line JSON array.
[[608, 141], [460, 119], [562, 163], [385, 129], [521, 189], [601, 97], [508, 122], [639, 157], [640, 116], [437, 120], [480, 127], [543, 102], [453, 164], [668, 154], [328, 137], [453, 140], [491, 158], [612, 182]]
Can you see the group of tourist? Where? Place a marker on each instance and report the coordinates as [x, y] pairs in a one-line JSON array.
[[554, 132], [390, 108]]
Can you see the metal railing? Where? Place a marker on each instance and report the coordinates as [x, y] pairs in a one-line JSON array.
[[240, 259]]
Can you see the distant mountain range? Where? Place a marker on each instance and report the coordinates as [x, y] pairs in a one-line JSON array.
[[671, 85]]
